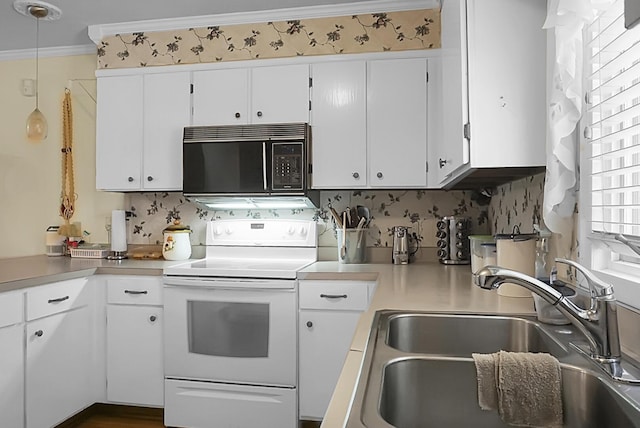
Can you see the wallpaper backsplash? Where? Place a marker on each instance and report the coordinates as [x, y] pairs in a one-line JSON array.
[[419, 209], [518, 203], [375, 32]]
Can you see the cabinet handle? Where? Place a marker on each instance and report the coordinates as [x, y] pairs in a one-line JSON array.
[[259, 114], [135, 292], [334, 296], [58, 300], [39, 333], [309, 324], [152, 318], [237, 115], [130, 179], [442, 162], [379, 175], [355, 175], [149, 178]]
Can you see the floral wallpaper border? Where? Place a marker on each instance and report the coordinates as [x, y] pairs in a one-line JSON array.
[[375, 32]]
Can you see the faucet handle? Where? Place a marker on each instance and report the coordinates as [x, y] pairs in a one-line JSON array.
[[597, 287]]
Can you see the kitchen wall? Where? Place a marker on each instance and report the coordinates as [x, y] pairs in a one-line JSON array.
[[30, 173]]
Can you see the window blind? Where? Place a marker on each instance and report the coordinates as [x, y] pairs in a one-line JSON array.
[[613, 122]]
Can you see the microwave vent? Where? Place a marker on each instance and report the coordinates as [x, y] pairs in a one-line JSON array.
[[276, 131]]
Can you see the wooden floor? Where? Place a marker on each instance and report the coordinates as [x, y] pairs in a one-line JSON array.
[[108, 416]]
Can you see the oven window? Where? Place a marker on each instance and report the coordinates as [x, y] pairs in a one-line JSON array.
[[225, 329]]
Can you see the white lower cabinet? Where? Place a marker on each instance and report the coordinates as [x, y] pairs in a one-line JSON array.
[[134, 355], [58, 367], [329, 314], [11, 360], [135, 372]]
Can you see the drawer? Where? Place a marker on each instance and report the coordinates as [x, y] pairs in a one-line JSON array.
[[11, 308], [341, 295], [134, 290], [57, 297]]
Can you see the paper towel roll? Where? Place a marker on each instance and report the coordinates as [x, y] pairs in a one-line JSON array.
[[118, 231]]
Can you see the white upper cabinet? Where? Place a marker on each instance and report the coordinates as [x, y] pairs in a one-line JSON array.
[[369, 123], [166, 113], [119, 133], [139, 131], [339, 124], [397, 122], [238, 96], [494, 84], [221, 97]]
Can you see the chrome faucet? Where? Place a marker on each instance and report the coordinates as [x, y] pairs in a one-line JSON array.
[[598, 324]]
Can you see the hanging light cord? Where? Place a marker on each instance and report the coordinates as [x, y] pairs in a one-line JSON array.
[[67, 195], [37, 59]]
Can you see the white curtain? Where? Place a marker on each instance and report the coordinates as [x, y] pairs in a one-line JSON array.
[[568, 19]]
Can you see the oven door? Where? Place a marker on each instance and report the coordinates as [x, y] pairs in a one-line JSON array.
[[231, 330]]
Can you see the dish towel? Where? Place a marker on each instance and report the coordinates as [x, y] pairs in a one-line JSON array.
[[525, 388]]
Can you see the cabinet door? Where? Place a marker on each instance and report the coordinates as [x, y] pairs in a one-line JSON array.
[[167, 103], [339, 123], [453, 149], [12, 376], [221, 97], [325, 338], [507, 99], [397, 123], [58, 367], [119, 133], [280, 94], [134, 355]]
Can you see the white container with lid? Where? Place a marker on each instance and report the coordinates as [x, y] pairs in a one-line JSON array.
[[476, 243], [516, 251]]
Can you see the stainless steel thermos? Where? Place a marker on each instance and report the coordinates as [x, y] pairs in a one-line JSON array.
[[400, 255]]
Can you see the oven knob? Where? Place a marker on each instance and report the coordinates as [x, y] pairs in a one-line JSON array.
[[217, 231], [303, 231], [228, 230], [292, 230]]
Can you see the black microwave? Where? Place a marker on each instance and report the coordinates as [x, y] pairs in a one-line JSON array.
[[246, 160]]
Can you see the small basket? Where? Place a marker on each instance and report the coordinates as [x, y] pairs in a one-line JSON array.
[[89, 253]]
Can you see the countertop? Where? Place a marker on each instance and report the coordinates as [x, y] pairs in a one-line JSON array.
[[420, 286], [21, 272], [423, 287]]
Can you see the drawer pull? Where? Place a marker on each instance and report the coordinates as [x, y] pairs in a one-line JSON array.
[[334, 296], [135, 292], [39, 333], [58, 300], [152, 318], [309, 324]]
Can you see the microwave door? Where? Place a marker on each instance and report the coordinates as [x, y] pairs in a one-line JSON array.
[[225, 167]]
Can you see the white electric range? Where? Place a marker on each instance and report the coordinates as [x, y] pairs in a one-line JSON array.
[[231, 326]]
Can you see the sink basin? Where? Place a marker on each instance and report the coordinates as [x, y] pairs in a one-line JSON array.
[[461, 335], [418, 372], [421, 393]]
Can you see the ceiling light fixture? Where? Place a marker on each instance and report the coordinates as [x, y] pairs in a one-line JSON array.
[[37, 127]]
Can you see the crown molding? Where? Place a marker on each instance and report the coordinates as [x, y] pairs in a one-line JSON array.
[[18, 54], [98, 32]]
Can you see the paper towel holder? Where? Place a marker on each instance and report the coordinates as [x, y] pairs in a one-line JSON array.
[[118, 235]]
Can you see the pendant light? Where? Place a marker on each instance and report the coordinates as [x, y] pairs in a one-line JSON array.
[[37, 127]]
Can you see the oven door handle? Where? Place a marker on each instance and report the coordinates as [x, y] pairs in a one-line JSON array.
[[230, 283]]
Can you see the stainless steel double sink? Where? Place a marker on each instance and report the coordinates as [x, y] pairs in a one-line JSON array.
[[418, 372]]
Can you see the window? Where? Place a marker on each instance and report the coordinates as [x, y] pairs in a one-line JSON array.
[[610, 162]]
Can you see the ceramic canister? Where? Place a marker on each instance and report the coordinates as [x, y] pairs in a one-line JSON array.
[[516, 251], [177, 242]]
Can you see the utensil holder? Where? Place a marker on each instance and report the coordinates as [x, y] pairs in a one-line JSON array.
[[352, 245]]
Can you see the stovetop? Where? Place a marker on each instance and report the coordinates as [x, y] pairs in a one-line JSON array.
[[270, 248]]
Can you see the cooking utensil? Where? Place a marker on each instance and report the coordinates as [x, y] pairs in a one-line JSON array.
[[343, 249], [336, 217]]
